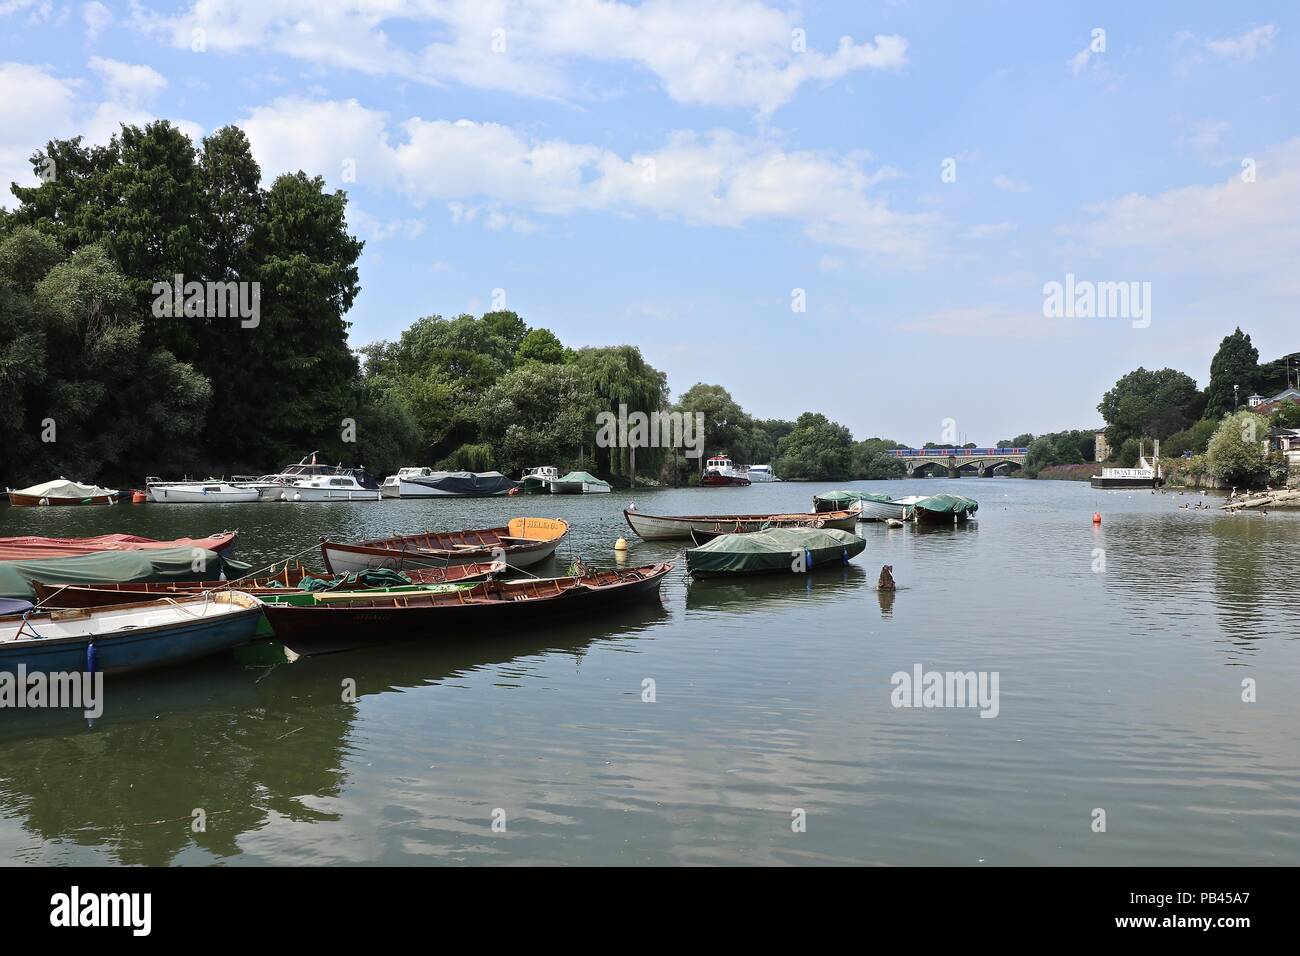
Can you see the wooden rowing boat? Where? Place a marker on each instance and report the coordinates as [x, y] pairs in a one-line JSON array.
[[286, 582], [129, 636], [36, 548], [668, 527], [522, 543], [778, 550], [302, 621]]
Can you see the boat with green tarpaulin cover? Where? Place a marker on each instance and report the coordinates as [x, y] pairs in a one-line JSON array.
[[944, 509], [874, 506], [777, 550], [154, 564]]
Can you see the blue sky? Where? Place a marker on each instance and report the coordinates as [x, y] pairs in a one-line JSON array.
[[670, 173]]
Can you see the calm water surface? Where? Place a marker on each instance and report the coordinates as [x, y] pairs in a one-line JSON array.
[[1119, 690]]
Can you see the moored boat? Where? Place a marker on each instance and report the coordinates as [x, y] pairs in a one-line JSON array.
[[128, 636], [669, 527], [33, 547], [210, 492], [521, 543], [703, 537], [457, 484], [872, 506], [296, 581], [61, 492], [537, 481], [944, 509], [392, 486], [777, 550], [579, 483], [759, 474], [457, 612], [19, 579], [719, 472], [327, 488]]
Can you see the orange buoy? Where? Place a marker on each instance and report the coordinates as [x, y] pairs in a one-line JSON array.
[[1096, 517], [138, 497]]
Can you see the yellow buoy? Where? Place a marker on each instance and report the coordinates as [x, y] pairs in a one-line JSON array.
[[620, 544]]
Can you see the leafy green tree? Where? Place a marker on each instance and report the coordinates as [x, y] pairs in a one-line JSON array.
[[619, 375], [818, 449], [538, 414], [1236, 363], [540, 345], [1236, 454], [1195, 438], [1146, 404], [727, 427], [871, 459], [1286, 415]]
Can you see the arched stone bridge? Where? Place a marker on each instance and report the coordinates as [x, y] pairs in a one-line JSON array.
[[955, 462]]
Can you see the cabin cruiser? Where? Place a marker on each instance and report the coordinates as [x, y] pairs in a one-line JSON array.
[[579, 483], [537, 481], [210, 492], [392, 487], [272, 487], [339, 487], [761, 473], [720, 472]]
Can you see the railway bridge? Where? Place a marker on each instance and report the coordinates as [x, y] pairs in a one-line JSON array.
[[983, 462]]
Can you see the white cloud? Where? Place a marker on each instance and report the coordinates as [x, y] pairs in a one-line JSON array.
[[374, 229], [1232, 227], [1247, 45], [489, 171], [39, 106], [1009, 185], [36, 108], [1205, 136], [743, 53], [128, 82], [97, 17]]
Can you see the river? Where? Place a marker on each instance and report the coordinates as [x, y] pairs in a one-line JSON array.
[[1120, 652]]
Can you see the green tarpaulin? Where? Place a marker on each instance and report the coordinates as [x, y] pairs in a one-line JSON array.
[[117, 567], [792, 550], [842, 499], [949, 504]]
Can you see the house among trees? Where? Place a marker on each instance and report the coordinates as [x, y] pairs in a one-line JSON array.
[[1266, 406]]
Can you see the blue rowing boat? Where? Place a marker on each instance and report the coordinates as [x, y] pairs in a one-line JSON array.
[[128, 637]]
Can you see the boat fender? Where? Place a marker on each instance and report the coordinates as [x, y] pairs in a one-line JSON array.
[[90, 658], [844, 553], [807, 559]]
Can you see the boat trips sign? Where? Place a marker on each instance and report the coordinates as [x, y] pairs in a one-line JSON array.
[[1144, 473]]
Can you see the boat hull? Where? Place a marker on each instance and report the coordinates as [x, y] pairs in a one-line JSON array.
[[135, 648], [343, 558], [673, 527], [171, 494], [473, 612], [723, 481], [325, 495], [34, 501], [108, 594]]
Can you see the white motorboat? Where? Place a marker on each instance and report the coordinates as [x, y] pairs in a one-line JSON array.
[[579, 483], [400, 486], [272, 487], [761, 473], [329, 488], [537, 481], [210, 492]]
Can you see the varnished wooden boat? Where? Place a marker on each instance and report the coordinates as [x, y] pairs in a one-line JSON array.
[[288, 581], [524, 542], [302, 622], [668, 527]]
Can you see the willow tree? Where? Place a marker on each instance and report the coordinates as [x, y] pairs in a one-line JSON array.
[[619, 376]]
